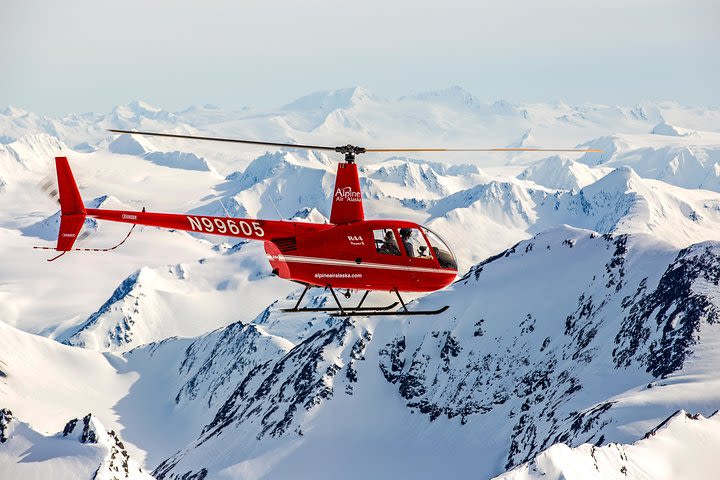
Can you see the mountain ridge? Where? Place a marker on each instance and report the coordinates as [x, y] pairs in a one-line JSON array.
[[587, 309]]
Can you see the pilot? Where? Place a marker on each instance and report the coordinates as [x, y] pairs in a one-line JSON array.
[[405, 234]]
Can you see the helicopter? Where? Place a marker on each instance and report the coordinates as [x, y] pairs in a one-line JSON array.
[[348, 253]]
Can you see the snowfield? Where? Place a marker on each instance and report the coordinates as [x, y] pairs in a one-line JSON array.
[[581, 342]]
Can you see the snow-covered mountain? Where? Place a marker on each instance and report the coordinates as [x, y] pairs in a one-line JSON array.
[[619, 202], [560, 173], [688, 161], [674, 449], [29, 156], [84, 449], [284, 181], [530, 372], [271, 397], [178, 300], [586, 315], [134, 145]]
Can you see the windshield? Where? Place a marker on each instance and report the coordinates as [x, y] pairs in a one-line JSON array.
[[442, 251]]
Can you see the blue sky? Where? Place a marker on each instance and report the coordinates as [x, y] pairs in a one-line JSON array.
[[84, 55]]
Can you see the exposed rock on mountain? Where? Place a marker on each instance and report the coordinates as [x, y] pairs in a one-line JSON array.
[[586, 314], [84, 449], [669, 451]]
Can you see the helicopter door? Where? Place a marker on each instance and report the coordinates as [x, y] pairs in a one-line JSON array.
[[417, 250]]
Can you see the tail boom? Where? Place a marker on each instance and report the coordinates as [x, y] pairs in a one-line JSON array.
[[224, 226], [73, 214]]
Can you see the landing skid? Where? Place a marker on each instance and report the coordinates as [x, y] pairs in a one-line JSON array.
[[335, 309], [397, 313], [359, 310]]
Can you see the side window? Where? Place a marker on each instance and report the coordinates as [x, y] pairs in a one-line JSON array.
[[385, 242], [414, 243]]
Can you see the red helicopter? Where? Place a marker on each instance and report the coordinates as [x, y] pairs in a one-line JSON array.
[[349, 253]]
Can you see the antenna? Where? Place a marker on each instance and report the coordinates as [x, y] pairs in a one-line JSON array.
[[223, 207], [276, 208]]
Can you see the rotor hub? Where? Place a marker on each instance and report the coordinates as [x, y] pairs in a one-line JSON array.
[[350, 151]]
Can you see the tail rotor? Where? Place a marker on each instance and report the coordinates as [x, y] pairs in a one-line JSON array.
[[72, 211]]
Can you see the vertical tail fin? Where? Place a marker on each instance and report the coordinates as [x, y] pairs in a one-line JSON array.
[[347, 199], [70, 201], [72, 209]]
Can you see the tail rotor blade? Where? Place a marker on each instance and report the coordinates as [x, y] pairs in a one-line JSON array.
[[86, 232], [48, 186]]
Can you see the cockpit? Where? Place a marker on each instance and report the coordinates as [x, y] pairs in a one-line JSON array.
[[419, 242]]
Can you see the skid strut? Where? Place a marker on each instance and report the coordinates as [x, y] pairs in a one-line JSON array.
[[302, 295], [400, 298], [340, 309]]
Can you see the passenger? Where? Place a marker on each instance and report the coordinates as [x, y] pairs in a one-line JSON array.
[[405, 234], [389, 244]]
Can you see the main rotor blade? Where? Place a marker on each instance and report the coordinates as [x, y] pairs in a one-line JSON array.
[[481, 150], [350, 148], [231, 140]]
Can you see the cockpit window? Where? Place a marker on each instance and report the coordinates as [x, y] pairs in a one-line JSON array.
[[442, 251], [385, 242], [414, 243]]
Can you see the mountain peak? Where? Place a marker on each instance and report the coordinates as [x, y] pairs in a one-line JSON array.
[[561, 173], [527, 140], [130, 145], [455, 95], [610, 145], [140, 106], [137, 110], [664, 128], [12, 111], [670, 450], [620, 180], [329, 100]]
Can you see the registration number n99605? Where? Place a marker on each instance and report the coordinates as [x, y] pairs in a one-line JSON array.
[[226, 226]]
